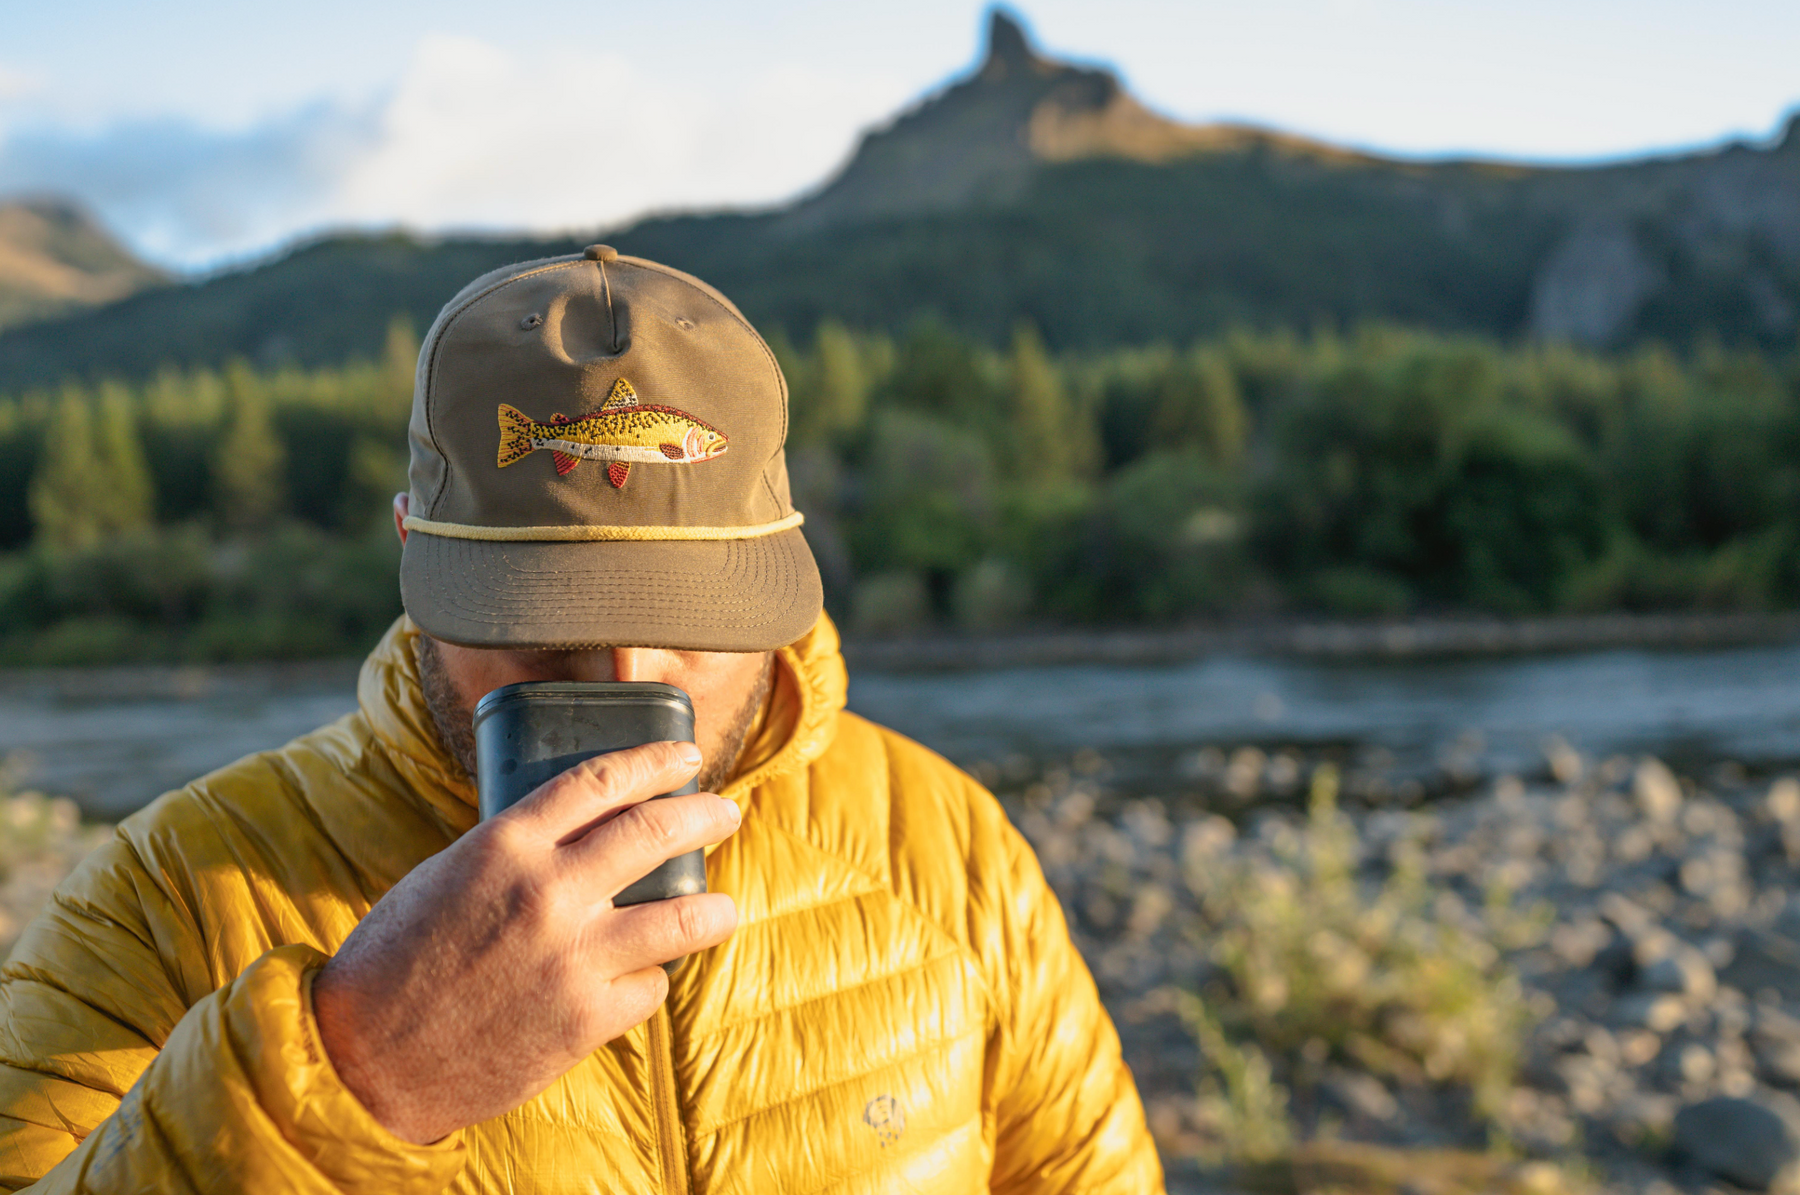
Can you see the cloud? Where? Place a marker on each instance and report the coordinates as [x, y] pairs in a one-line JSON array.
[[470, 137], [190, 196], [16, 84]]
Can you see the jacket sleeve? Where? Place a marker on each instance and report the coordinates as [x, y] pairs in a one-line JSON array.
[[1066, 1110], [109, 1082]]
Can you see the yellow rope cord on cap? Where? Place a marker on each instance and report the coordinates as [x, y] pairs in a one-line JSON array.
[[580, 534]]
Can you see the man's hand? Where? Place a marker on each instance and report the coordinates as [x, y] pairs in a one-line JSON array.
[[500, 963]]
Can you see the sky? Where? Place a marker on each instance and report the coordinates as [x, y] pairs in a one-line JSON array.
[[207, 133]]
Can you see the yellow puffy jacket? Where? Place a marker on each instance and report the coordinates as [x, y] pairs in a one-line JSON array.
[[900, 1008]]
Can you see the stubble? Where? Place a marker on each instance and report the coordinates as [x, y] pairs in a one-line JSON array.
[[455, 721]]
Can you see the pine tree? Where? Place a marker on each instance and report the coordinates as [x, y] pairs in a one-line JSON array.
[[1200, 405], [92, 480], [841, 378], [131, 501], [400, 359], [805, 426], [61, 514], [249, 464], [1045, 442]]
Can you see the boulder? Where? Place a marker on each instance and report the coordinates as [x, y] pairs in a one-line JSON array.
[[1778, 1062], [1657, 791], [1693, 1063], [1775, 1041], [1738, 1139], [1359, 1095], [1682, 970], [1765, 960], [1783, 801], [1659, 1012]]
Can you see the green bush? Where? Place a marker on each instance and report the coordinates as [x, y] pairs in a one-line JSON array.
[[1520, 509], [175, 594], [1359, 592], [927, 502], [1422, 463], [1167, 539]]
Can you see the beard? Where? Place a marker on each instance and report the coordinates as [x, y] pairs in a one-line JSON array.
[[722, 764], [455, 721]]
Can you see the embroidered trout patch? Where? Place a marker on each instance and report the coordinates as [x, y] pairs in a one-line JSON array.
[[621, 433], [883, 1114]]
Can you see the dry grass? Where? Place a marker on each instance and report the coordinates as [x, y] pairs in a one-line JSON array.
[[1341, 1167]]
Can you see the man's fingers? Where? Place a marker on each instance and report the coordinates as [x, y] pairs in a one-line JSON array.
[[633, 843], [659, 930], [630, 1000], [566, 806]]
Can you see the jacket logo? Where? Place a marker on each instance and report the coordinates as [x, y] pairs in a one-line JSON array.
[[622, 432], [883, 1114]]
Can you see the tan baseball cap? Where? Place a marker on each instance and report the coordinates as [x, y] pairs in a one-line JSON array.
[[597, 461]]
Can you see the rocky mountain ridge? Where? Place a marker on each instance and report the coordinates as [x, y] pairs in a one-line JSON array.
[[977, 143]]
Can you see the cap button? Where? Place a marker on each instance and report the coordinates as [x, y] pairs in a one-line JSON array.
[[600, 253]]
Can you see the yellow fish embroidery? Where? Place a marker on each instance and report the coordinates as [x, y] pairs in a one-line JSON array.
[[621, 432]]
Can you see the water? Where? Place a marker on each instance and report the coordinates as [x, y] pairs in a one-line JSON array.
[[116, 738], [1741, 704]]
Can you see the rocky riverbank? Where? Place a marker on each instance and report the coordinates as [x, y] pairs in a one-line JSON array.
[[1597, 972]]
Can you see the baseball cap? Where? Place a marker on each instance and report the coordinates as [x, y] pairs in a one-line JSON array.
[[597, 461]]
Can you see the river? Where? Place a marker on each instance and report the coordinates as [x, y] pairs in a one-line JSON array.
[[115, 738]]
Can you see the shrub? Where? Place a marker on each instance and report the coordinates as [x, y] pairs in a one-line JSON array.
[[1167, 539], [173, 594], [1388, 976]]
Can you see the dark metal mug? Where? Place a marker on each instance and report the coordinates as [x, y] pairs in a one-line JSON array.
[[529, 733]]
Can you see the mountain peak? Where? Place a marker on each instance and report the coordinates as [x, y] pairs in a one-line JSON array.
[[55, 257], [1009, 49], [1790, 134], [983, 138]]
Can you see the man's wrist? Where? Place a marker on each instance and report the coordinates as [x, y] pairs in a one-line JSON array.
[[342, 1031]]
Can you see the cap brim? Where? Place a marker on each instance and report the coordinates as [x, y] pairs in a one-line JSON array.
[[694, 595]]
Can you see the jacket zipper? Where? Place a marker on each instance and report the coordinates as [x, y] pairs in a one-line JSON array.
[[669, 1147]]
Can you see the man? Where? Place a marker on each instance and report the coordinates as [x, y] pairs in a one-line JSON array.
[[314, 971]]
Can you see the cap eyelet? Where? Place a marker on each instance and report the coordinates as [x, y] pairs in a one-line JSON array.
[[684, 323], [531, 321]]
